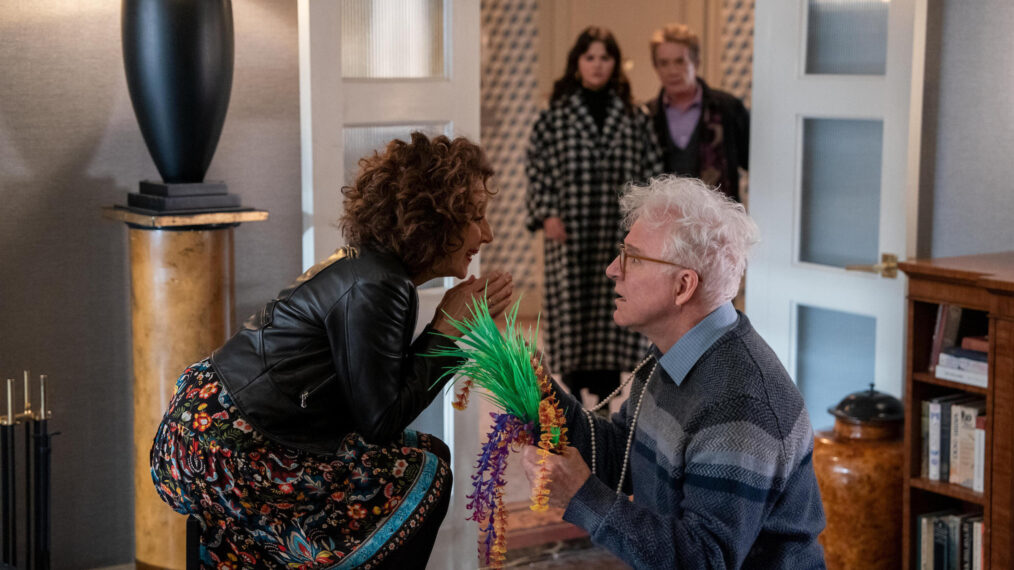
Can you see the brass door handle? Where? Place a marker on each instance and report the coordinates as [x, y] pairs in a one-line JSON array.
[[888, 266]]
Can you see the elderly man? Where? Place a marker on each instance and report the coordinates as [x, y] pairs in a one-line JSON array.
[[714, 441], [703, 132]]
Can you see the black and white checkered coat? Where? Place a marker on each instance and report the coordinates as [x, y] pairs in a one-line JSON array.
[[576, 173]]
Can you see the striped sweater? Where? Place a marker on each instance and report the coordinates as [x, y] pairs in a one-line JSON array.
[[720, 467]]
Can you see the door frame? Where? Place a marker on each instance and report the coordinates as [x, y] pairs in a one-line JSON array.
[[783, 95], [328, 104]]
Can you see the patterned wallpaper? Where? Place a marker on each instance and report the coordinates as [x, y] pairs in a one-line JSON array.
[[510, 106], [737, 48]]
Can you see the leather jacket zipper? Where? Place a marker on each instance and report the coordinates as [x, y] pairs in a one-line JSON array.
[[305, 394]]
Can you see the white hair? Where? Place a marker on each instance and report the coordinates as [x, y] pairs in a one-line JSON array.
[[705, 230]]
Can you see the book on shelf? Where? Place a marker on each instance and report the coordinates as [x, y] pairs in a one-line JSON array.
[[945, 333], [941, 543], [980, 343], [947, 539], [954, 324], [964, 359], [962, 441], [979, 470], [963, 365], [924, 463], [940, 434], [977, 554], [933, 441], [925, 526], [967, 541], [977, 379]]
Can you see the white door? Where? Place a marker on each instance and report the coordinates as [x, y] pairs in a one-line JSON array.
[[371, 71], [837, 105]]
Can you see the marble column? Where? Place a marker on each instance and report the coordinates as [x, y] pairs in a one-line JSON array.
[[181, 275]]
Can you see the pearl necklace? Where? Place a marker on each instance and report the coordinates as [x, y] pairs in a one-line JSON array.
[[633, 423]]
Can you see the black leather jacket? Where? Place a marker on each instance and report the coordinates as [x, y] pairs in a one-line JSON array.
[[333, 354]]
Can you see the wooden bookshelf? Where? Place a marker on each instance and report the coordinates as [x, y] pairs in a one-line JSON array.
[[977, 283]]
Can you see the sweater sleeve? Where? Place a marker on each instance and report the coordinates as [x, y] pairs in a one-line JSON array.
[[610, 437], [734, 470]]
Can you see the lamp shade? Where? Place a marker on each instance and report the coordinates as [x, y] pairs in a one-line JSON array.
[[178, 58]]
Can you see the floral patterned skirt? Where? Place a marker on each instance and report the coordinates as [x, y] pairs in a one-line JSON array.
[[265, 505]]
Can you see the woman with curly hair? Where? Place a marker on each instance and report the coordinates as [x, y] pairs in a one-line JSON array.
[[289, 443]]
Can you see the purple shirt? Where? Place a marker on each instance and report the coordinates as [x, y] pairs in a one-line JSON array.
[[683, 123]]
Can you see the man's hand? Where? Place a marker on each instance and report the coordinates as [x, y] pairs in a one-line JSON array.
[[555, 230], [566, 472], [497, 286]]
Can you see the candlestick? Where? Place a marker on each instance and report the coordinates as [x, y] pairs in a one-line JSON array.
[[9, 417], [44, 414]]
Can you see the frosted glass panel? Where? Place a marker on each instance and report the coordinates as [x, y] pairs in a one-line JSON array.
[[840, 191], [835, 358], [363, 141], [392, 38], [847, 37]]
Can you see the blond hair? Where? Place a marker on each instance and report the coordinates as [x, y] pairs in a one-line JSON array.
[[677, 34]]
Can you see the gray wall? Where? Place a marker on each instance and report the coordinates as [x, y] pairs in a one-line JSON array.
[[966, 202], [69, 144]]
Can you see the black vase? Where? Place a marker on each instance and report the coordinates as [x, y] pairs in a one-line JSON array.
[[178, 56]]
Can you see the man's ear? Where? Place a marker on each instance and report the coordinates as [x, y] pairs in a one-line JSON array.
[[684, 286]]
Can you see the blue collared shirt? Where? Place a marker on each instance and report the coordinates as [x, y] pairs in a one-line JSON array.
[[678, 360]]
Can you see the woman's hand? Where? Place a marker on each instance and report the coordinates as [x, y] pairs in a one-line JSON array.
[[498, 287], [555, 230]]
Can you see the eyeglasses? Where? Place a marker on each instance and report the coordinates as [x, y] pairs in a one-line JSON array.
[[624, 256]]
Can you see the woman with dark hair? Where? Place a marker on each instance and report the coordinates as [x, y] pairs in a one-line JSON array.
[[289, 443], [584, 149]]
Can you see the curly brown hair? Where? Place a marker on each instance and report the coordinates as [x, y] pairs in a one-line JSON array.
[[415, 198]]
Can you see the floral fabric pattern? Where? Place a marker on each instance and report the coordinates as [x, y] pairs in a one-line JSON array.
[[265, 505]]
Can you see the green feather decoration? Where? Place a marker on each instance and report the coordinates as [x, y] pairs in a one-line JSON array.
[[501, 364]]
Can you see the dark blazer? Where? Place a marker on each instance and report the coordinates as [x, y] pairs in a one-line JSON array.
[[724, 129], [333, 354]]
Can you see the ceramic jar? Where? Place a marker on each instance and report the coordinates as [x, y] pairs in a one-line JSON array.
[[859, 469]]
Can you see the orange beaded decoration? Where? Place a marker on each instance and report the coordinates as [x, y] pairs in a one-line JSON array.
[[461, 395]]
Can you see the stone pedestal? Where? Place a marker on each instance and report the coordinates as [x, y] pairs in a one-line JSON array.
[[181, 276]]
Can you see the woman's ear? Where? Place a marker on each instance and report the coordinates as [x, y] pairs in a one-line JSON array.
[[684, 286]]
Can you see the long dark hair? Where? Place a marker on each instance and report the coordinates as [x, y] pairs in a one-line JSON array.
[[570, 82]]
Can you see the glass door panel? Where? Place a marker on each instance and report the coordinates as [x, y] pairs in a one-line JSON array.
[[835, 357], [393, 39], [846, 37], [840, 206], [362, 140]]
